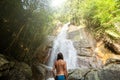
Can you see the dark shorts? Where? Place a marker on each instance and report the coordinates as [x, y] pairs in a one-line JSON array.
[[60, 77]]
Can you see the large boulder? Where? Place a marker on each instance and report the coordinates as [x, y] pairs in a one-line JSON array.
[[14, 70], [88, 62], [20, 71], [110, 72], [77, 74], [39, 71], [50, 40], [5, 66], [83, 49]]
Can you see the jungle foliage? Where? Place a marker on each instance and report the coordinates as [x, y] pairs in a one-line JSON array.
[[24, 25], [102, 17]]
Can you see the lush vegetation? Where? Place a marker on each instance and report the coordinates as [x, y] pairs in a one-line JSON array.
[[102, 17], [24, 24]]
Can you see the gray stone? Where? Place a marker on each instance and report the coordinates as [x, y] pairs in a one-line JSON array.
[[13, 70], [77, 74], [39, 72], [110, 72], [21, 71]]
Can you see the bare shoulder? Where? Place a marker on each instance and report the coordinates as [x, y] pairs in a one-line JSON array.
[[63, 61]]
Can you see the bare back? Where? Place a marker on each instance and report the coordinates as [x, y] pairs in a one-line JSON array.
[[60, 66]]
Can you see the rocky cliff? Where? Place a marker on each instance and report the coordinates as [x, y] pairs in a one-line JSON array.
[[97, 60]]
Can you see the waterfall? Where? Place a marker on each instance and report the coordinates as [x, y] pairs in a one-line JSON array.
[[64, 45]]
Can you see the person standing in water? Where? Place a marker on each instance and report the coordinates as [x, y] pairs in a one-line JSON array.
[[60, 68]]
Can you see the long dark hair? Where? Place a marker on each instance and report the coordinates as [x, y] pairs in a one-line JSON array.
[[60, 56]]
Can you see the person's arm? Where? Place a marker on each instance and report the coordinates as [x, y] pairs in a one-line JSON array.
[[65, 71]]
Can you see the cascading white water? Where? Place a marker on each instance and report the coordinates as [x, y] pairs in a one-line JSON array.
[[62, 44]]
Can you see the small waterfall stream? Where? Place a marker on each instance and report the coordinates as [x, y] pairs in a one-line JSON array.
[[62, 44]]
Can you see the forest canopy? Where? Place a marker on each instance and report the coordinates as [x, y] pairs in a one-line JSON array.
[[101, 16], [24, 26]]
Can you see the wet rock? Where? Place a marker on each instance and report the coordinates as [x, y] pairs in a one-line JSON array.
[[74, 35], [5, 65], [12, 70], [39, 72], [77, 74], [88, 62], [111, 60], [92, 75], [110, 72], [20, 71], [84, 62], [50, 40], [3, 62], [83, 50]]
